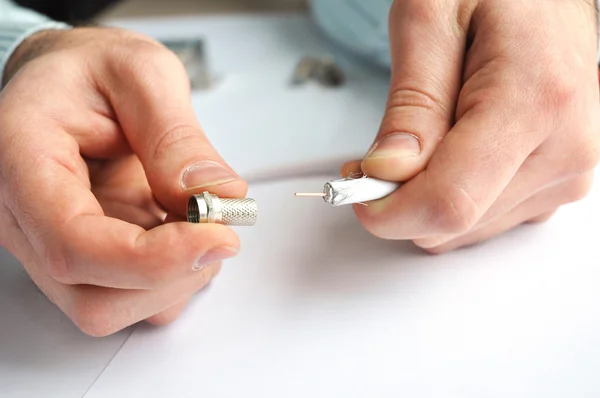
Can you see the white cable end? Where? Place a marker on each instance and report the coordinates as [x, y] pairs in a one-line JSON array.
[[346, 191]]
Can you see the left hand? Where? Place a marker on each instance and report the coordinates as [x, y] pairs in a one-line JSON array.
[[492, 118], [100, 150]]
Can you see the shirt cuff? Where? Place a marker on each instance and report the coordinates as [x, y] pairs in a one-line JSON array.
[[11, 37]]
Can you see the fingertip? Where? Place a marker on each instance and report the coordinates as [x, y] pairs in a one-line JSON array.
[[542, 218], [350, 168], [190, 243], [408, 213], [392, 168], [194, 182], [373, 217], [218, 235], [214, 176], [237, 188]]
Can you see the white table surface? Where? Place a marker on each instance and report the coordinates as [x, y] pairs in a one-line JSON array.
[[314, 306], [41, 353]]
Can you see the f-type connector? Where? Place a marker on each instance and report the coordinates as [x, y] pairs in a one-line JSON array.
[[209, 208]]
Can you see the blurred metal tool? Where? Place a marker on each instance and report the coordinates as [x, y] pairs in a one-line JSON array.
[[304, 70], [323, 70], [192, 54]]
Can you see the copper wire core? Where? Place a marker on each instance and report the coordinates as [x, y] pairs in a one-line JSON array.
[[310, 194]]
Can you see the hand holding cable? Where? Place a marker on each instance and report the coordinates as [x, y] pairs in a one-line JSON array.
[[492, 121]]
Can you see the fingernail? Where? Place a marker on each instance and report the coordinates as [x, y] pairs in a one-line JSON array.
[[205, 174], [397, 145], [214, 256]]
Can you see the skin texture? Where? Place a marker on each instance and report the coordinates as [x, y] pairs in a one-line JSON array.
[[497, 101], [97, 131], [492, 121]]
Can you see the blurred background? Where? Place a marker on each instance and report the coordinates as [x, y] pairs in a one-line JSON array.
[[358, 25], [132, 8], [84, 11]]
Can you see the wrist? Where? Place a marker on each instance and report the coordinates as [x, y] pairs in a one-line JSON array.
[[30, 48]]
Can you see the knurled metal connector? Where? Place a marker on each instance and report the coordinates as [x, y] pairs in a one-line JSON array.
[[209, 208]]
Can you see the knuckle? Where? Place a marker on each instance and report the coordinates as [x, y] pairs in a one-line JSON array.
[[434, 251], [405, 96], [418, 11], [431, 242], [587, 154], [579, 188], [59, 267], [207, 274], [542, 218], [143, 60], [559, 90], [453, 211], [215, 270], [174, 136], [407, 104], [159, 269], [479, 100], [381, 226], [158, 276], [581, 156], [93, 316]]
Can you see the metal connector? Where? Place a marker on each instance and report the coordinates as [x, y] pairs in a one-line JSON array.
[[209, 208]]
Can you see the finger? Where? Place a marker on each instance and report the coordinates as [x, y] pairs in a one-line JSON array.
[[510, 221], [168, 316], [546, 168], [74, 101], [542, 218], [80, 245], [98, 134], [100, 311], [171, 217], [351, 168], [427, 48], [150, 92], [538, 208], [122, 190], [132, 214], [470, 169], [108, 252]]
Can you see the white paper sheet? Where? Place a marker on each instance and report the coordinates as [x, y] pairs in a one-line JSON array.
[[316, 307], [261, 125], [42, 354]]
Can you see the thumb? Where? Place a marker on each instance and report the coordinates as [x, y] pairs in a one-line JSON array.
[[150, 91], [427, 48]]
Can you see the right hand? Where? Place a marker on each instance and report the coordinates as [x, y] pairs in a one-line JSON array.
[[98, 143]]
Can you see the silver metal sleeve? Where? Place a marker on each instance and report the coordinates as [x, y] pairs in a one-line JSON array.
[[209, 208]]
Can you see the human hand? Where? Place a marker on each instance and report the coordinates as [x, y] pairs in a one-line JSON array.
[[492, 118], [98, 144]]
